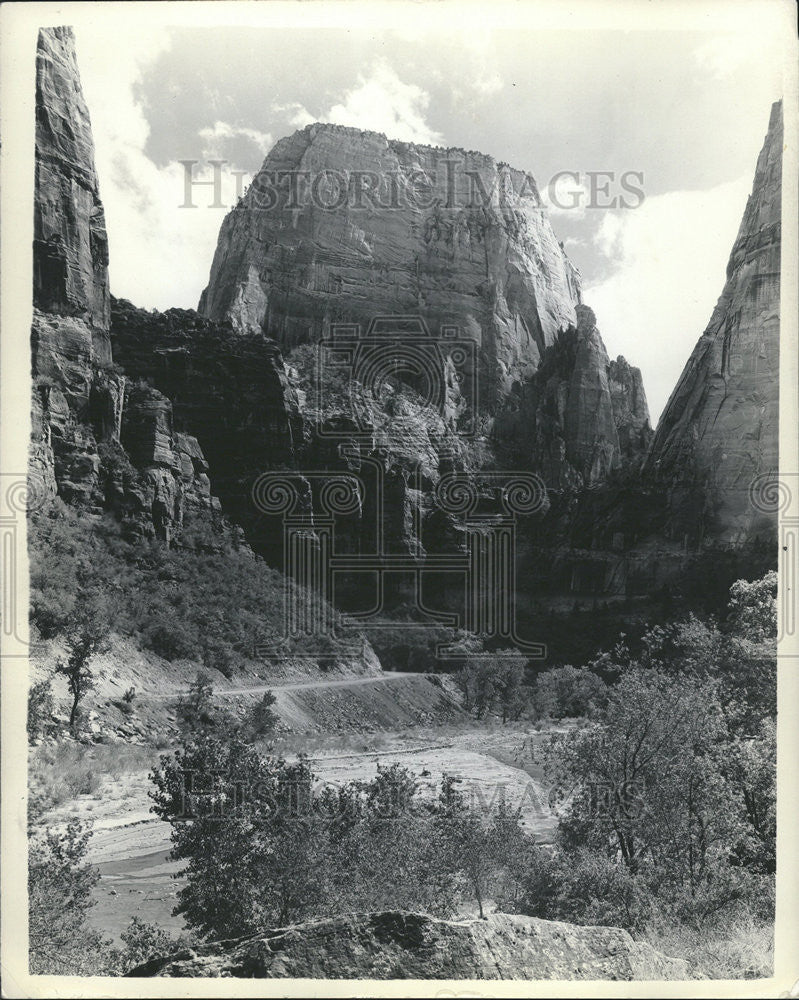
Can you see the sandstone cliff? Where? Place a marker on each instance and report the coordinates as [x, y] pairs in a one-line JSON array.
[[443, 233], [456, 239], [70, 246], [581, 415], [719, 429], [398, 945], [99, 440]]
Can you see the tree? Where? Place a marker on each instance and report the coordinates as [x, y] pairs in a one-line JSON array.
[[388, 853], [647, 788], [512, 693], [40, 708], [196, 711], [491, 680], [60, 884], [568, 692], [250, 831], [86, 634], [261, 722], [753, 608]]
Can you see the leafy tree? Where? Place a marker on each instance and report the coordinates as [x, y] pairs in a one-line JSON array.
[[60, 884], [753, 608], [387, 852], [86, 635], [40, 708], [492, 681], [261, 722], [568, 692], [196, 711], [249, 831], [648, 788], [513, 694], [481, 848]]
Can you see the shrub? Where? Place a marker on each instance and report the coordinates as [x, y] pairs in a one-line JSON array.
[[568, 692], [60, 883], [40, 709], [260, 722]]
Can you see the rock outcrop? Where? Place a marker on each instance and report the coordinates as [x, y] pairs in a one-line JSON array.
[[230, 390], [398, 945], [630, 411], [718, 432], [342, 226], [581, 415]]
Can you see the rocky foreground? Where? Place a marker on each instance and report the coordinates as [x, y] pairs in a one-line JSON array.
[[397, 945]]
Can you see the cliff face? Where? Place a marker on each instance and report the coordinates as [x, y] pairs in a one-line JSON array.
[[441, 233], [229, 389], [70, 246], [99, 440], [454, 238], [398, 945], [581, 415], [719, 429]]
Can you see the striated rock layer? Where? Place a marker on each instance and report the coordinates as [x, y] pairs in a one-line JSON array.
[[719, 429], [398, 945]]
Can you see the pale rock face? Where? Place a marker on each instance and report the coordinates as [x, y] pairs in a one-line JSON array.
[[719, 429], [446, 234]]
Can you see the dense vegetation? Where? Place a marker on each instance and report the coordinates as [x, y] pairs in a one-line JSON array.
[[207, 599]]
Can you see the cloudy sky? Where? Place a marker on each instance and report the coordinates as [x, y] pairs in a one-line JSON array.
[[687, 110]]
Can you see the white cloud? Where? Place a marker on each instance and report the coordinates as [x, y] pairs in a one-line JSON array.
[[565, 194], [724, 55], [215, 137], [670, 254], [381, 102], [297, 115], [160, 253]]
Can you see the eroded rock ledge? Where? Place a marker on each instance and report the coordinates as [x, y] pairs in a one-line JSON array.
[[399, 945]]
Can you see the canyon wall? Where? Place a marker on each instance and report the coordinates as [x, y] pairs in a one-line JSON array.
[[100, 440], [719, 430]]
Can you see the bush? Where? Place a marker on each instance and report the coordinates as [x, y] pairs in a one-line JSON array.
[[60, 883], [40, 709], [568, 692], [260, 722], [143, 941]]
